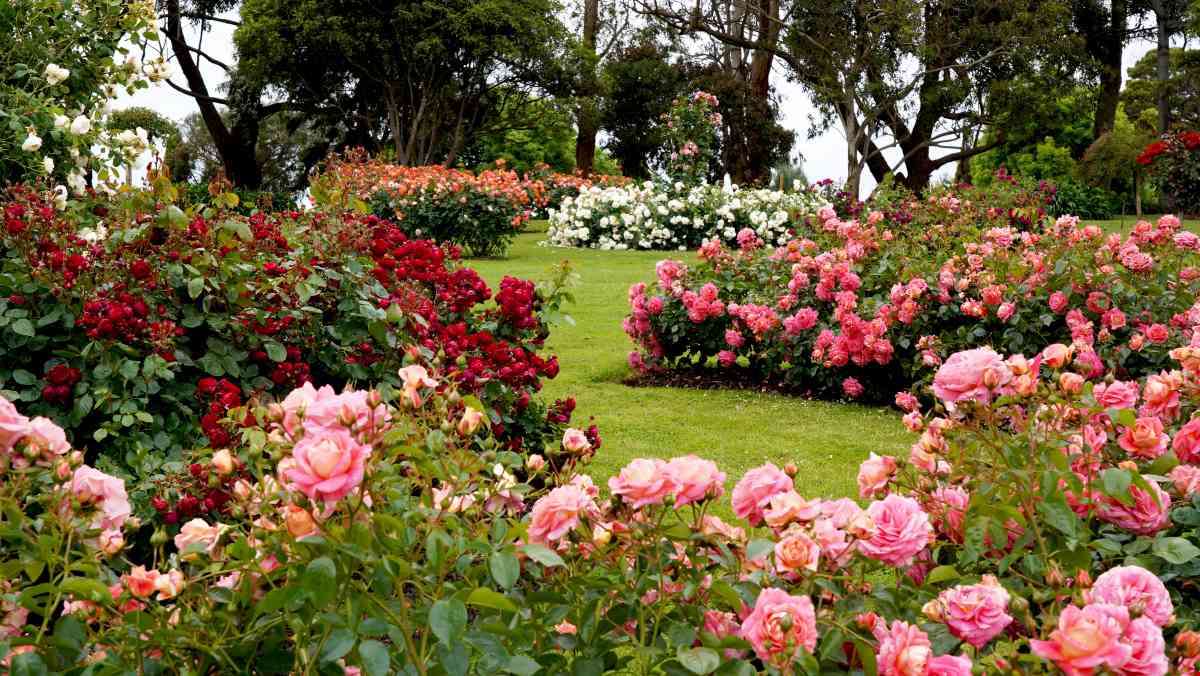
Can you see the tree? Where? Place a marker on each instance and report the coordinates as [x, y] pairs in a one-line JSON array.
[[284, 153], [159, 129], [641, 83], [424, 78], [908, 75], [1180, 90], [1169, 19], [546, 138]]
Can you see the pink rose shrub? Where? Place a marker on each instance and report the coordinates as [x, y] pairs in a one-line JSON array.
[[901, 530], [975, 613], [850, 325], [559, 512], [754, 492], [1087, 639]]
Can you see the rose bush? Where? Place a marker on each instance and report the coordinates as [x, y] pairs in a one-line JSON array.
[[674, 216], [854, 306], [1174, 163], [1018, 536], [136, 325]]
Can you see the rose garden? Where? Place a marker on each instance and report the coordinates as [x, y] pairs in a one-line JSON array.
[[451, 418]]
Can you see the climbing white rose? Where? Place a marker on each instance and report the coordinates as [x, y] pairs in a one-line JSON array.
[[81, 125], [32, 143], [55, 73]]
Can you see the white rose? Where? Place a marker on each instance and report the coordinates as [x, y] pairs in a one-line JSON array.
[[32, 143], [55, 73], [61, 122], [48, 164], [81, 125]]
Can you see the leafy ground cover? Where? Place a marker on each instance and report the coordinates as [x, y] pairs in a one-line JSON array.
[[825, 440]]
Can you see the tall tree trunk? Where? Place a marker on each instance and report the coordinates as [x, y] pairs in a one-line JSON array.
[[238, 153], [587, 114], [1163, 25], [764, 57], [1111, 51]]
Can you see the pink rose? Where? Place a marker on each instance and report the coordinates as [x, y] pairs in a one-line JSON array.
[[1157, 333], [1087, 638], [1137, 589], [905, 401], [1186, 479], [696, 479], [1058, 301], [795, 552], [902, 530], [1147, 515], [789, 507], [949, 665], [45, 436], [197, 532], [971, 375], [780, 626], [874, 474], [1187, 442], [1004, 313], [470, 421], [1056, 355], [328, 463], [415, 377], [753, 493], [1117, 394], [726, 358], [575, 441], [975, 613], [643, 482], [13, 425], [557, 513], [1146, 439], [1148, 649], [92, 487], [328, 410], [904, 650], [297, 401], [852, 388], [140, 581]]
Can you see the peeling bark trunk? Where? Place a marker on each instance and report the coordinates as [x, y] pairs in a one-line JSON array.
[[586, 111]]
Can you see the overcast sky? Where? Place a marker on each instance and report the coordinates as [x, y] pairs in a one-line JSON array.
[[824, 156]]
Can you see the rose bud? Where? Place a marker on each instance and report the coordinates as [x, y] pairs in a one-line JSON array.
[[535, 463], [299, 522], [1071, 383], [223, 462], [575, 441], [1056, 355], [111, 542], [470, 421]]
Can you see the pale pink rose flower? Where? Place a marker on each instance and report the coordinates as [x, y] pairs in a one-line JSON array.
[[92, 487], [13, 425], [874, 474], [780, 625], [1186, 443], [169, 584], [904, 650], [976, 613], [1186, 479], [789, 506], [575, 441], [470, 421], [1087, 638], [197, 532], [1148, 658], [949, 665], [713, 525], [1118, 394], [1148, 514], [329, 464], [971, 375], [643, 482], [697, 479], [557, 513], [111, 541], [415, 377], [1137, 589], [723, 625], [328, 410], [795, 552], [753, 493], [46, 436], [902, 530], [295, 403]]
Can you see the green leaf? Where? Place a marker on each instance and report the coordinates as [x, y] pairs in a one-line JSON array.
[[543, 555], [759, 548], [1058, 514], [941, 574], [1175, 550], [27, 664], [375, 658], [487, 598], [320, 581], [699, 660], [195, 285], [448, 620], [1115, 484], [24, 327], [275, 351], [522, 666], [24, 377], [339, 642], [505, 568]]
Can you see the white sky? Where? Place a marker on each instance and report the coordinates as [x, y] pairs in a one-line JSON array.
[[824, 156]]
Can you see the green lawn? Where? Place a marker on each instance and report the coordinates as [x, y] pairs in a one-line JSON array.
[[1125, 223], [737, 429]]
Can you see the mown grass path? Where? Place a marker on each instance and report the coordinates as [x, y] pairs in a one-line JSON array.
[[737, 429]]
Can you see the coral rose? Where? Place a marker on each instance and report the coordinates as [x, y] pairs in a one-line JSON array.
[[1145, 439], [902, 530], [696, 479], [789, 506], [874, 474], [1187, 442], [971, 375], [904, 650], [1137, 589], [643, 482], [197, 532], [796, 552], [1087, 638], [1117, 394], [140, 581], [328, 464], [754, 492], [975, 613], [557, 513], [780, 625]]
